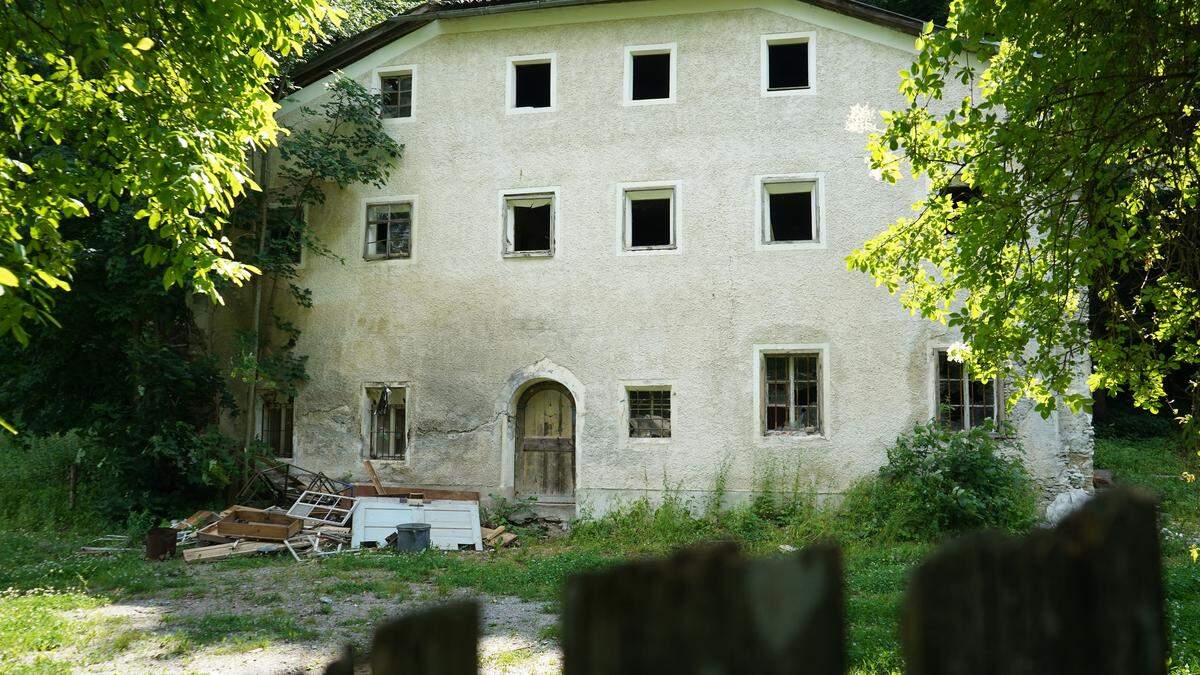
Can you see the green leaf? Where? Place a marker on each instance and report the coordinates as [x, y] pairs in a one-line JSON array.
[[145, 44], [7, 278]]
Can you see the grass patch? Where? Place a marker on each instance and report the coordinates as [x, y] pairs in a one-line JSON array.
[[233, 633], [515, 658]]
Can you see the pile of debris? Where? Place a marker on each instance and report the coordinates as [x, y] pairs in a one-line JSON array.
[[326, 517]]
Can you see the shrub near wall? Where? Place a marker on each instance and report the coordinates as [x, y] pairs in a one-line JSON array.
[[938, 482]]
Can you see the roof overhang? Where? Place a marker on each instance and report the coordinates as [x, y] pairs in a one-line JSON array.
[[353, 48]]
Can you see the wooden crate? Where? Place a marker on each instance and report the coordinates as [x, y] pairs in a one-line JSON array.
[[255, 524]]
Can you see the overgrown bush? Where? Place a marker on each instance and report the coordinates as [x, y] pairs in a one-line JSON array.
[[938, 482], [35, 484]]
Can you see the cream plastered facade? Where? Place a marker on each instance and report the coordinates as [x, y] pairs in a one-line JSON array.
[[466, 329]]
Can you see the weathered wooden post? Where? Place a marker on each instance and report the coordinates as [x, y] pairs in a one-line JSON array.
[[442, 640], [1083, 598], [708, 610]]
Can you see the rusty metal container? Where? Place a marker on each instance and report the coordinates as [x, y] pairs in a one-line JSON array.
[[160, 543]]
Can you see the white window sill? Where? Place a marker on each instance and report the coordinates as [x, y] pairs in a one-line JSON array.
[[527, 111], [791, 245], [798, 91], [648, 101], [519, 255]]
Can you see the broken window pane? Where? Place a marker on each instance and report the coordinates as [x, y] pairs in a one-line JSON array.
[[530, 224], [532, 85], [650, 218], [790, 211], [396, 92], [388, 439], [651, 76], [963, 402], [793, 396], [787, 66], [649, 413], [389, 230]]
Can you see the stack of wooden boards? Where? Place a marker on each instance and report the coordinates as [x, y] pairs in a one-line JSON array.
[[243, 530], [498, 538]]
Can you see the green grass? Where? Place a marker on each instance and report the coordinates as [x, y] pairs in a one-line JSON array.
[[52, 581]]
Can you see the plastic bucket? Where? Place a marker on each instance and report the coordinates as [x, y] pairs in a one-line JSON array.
[[412, 537], [160, 543]]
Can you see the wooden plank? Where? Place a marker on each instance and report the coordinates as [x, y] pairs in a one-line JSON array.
[[221, 551], [443, 640], [548, 444], [1084, 598], [375, 482], [708, 610], [365, 490]]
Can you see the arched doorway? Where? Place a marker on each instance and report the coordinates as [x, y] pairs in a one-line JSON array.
[[544, 453]]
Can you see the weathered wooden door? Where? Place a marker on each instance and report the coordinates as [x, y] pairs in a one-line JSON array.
[[545, 448]]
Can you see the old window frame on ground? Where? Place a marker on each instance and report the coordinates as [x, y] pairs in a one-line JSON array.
[[381, 74], [277, 423], [766, 42], [967, 388], [399, 412], [511, 82], [764, 184], [370, 227], [631, 53], [762, 389], [631, 192], [659, 397], [512, 197]]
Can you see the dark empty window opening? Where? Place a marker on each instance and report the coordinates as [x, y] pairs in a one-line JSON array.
[[284, 233], [787, 66], [389, 230], [790, 213], [649, 413], [963, 401], [531, 85], [961, 194], [651, 219], [396, 92], [651, 75], [530, 224]]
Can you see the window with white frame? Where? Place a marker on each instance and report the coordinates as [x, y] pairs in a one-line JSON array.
[[963, 401], [650, 217], [387, 428], [396, 92], [649, 412], [529, 224], [787, 63], [790, 211], [389, 230], [531, 85], [792, 403], [650, 74], [275, 423]]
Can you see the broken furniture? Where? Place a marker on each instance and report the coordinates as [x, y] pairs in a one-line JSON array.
[[246, 523], [222, 551], [275, 482], [453, 524]]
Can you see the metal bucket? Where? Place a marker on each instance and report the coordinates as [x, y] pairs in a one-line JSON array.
[[160, 543], [412, 537]]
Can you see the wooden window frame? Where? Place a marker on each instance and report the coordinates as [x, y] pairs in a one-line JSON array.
[[399, 398], [368, 253], [964, 381], [823, 391], [267, 401], [395, 71], [508, 238]]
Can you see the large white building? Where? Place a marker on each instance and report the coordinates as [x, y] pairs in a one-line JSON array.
[[612, 258]]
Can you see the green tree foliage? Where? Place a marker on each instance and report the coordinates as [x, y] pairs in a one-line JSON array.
[[1073, 129], [106, 104], [341, 144], [127, 369]]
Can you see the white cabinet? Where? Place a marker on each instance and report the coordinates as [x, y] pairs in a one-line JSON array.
[[452, 523]]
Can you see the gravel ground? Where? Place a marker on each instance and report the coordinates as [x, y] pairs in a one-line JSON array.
[[290, 619]]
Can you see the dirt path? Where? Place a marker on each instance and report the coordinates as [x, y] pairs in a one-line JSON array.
[[290, 619]]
